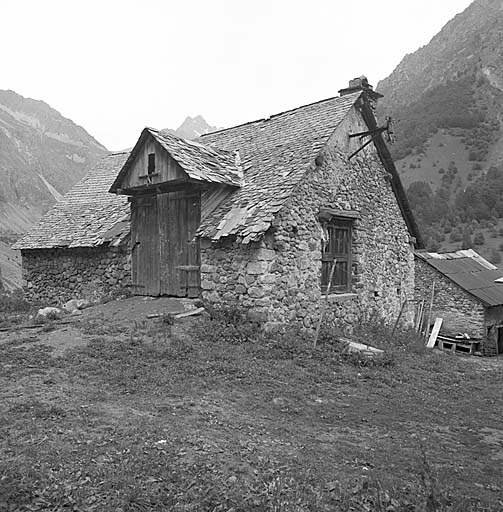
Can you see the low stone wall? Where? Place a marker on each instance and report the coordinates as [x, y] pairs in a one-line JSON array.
[[53, 276]]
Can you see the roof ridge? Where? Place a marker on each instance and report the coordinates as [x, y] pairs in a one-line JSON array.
[[358, 93]]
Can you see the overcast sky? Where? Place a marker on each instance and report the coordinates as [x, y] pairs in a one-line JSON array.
[[116, 66]]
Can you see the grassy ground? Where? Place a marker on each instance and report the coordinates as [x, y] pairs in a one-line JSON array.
[[106, 415]]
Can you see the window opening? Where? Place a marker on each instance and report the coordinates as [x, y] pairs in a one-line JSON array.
[[151, 163], [337, 247]]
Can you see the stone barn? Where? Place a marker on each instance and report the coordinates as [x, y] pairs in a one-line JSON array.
[[80, 248], [268, 215], [468, 295]]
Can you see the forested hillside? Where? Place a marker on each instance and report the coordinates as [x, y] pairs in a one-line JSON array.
[[447, 98]]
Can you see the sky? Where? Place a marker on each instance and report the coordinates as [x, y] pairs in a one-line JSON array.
[[114, 66]]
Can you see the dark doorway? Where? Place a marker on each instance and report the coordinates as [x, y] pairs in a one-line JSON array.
[[500, 340]]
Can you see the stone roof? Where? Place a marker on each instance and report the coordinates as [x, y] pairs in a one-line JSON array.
[[200, 162], [263, 159], [276, 152], [469, 271], [88, 215]]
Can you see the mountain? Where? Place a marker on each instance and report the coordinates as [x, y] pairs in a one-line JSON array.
[[448, 100], [193, 127], [42, 154]]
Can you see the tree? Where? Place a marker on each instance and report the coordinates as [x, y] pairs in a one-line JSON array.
[[479, 239], [467, 240], [456, 235]]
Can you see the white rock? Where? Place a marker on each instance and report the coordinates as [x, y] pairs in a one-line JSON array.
[[76, 304], [49, 312]]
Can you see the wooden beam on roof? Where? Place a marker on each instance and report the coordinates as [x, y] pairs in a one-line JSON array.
[[167, 186], [389, 165]]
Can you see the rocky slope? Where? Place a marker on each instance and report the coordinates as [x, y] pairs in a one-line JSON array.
[[42, 154], [452, 86]]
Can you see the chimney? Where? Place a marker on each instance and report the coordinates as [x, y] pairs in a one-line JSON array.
[[362, 84]]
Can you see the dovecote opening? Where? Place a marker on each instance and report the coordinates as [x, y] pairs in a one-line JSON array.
[[151, 163]]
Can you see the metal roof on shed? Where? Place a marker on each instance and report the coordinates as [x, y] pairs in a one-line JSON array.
[[471, 272]]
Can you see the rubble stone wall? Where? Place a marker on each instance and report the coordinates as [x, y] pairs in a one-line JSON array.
[[53, 276], [460, 311], [279, 279]]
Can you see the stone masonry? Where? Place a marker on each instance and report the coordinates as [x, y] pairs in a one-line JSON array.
[[53, 276], [460, 311], [278, 280]]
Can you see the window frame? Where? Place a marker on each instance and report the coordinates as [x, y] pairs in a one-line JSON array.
[[330, 225]]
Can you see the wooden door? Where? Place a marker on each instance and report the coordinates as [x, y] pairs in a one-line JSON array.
[[179, 218], [145, 256]]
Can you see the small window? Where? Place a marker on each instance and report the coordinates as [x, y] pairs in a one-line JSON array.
[[151, 163], [337, 247]]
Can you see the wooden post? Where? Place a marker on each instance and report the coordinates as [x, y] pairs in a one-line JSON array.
[[427, 330], [324, 305], [419, 318], [398, 318]]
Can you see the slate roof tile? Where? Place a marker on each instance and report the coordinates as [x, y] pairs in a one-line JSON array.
[[276, 152], [88, 215], [202, 162]]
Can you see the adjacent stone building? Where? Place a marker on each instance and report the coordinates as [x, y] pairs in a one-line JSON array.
[[467, 295], [80, 248], [266, 217]]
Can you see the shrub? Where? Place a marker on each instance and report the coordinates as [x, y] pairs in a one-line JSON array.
[[13, 302], [228, 325]]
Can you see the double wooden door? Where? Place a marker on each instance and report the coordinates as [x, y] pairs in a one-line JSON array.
[[165, 255]]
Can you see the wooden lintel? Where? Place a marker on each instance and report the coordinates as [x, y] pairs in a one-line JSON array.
[[327, 213]]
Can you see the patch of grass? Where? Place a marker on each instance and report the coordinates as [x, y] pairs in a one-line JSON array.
[[14, 309], [161, 417], [14, 302]]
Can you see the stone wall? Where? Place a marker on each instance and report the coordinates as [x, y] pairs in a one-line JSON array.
[[279, 279], [53, 276], [461, 312]]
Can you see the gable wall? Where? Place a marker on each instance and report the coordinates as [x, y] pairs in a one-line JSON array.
[[383, 269], [166, 169], [54, 276], [278, 279]]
